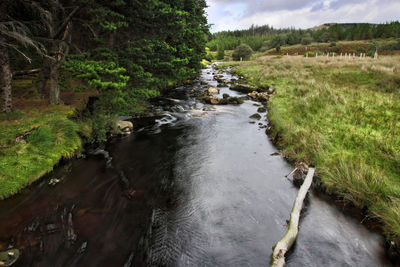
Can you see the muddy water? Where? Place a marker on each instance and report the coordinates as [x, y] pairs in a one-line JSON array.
[[199, 187]]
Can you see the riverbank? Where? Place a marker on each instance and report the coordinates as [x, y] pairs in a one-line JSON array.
[[340, 116], [35, 137]]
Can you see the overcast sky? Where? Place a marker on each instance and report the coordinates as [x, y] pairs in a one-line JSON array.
[[235, 14]]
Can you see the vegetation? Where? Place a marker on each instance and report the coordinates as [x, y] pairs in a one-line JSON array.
[[342, 116], [121, 52], [242, 52], [32, 142], [263, 38]]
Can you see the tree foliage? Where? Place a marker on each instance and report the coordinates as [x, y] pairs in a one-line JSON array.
[[124, 49], [261, 38], [242, 52]]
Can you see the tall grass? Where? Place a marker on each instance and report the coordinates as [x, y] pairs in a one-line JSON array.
[[343, 117]]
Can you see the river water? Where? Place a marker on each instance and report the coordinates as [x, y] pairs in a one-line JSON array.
[[199, 187]]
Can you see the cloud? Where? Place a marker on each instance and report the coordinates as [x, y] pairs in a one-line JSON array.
[[234, 14]]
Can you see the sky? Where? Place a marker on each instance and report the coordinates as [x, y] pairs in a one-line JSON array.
[[235, 14]]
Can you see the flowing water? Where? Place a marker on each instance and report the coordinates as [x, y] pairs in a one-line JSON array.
[[199, 187]]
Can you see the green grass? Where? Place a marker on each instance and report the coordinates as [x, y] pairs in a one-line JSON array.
[[343, 117], [50, 136]]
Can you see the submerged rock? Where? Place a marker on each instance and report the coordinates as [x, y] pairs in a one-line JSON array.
[[255, 116], [262, 110]]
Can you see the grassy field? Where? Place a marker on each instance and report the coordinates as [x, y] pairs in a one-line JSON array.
[[343, 117]]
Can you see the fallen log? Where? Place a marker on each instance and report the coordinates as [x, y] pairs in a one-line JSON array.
[[25, 72], [280, 249]]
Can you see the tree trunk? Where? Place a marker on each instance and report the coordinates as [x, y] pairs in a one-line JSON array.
[[54, 86], [44, 77], [6, 78]]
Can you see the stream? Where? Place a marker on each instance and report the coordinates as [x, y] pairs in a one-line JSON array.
[[198, 187]]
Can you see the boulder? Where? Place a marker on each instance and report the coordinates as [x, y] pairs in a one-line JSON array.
[[212, 100], [212, 91], [256, 96], [261, 110], [223, 101], [204, 83], [243, 88], [255, 116], [125, 126]]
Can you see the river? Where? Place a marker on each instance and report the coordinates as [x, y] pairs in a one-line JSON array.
[[199, 187]]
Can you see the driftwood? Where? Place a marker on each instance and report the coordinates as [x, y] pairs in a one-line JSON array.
[[287, 175], [280, 249]]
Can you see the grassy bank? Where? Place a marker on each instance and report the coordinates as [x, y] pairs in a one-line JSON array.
[[343, 117], [32, 141]]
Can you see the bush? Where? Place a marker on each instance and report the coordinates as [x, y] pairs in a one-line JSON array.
[[242, 51], [310, 54]]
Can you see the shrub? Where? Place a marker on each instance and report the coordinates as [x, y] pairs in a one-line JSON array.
[[310, 54], [242, 51]]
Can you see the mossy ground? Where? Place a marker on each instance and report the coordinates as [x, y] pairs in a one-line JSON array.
[[343, 117]]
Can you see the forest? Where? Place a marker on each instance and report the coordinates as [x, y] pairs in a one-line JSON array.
[[126, 50], [262, 38], [70, 68]]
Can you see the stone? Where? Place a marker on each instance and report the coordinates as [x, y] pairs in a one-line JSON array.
[[261, 110], [256, 96], [243, 88], [255, 116], [214, 101], [271, 90], [9, 257], [225, 95], [212, 91], [125, 126], [54, 181]]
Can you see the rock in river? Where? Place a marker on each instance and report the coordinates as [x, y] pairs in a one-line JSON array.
[[125, 126], [213, 91], [255, 116]]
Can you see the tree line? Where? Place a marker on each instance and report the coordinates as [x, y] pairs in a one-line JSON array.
[[266, 37], [125, 49]]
